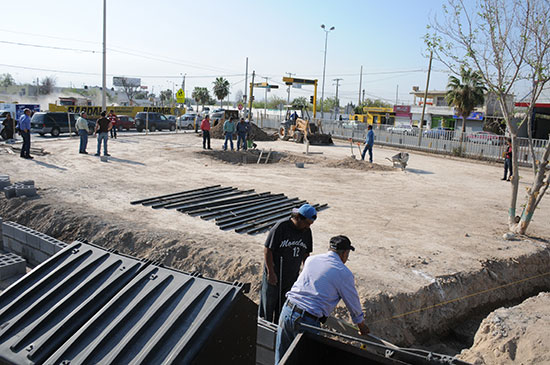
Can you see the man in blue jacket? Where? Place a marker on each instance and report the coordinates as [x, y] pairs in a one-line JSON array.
[[24, 126], [242, 131], [369, 142]]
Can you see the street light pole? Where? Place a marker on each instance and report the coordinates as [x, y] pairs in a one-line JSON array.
[[324, 66]]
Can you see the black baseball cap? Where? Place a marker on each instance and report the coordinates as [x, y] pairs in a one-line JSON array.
[[341, 243]]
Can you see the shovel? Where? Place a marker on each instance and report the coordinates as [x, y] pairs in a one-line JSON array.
[[351, 147]]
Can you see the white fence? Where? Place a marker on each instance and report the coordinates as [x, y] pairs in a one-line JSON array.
[[432, 140]]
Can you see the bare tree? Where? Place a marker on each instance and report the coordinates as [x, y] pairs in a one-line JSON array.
[[508, 43], [129, 89], [47, 85]]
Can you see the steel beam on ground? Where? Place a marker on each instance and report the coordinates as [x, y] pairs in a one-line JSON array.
[[272, 222], [245, 221], [202, 198], [260, 212], [228, 207], [217, 202], [250, 209], [247, 205], [163, 201], [169, 195]]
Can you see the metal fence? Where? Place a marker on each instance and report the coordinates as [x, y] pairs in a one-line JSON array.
[[476, 146]]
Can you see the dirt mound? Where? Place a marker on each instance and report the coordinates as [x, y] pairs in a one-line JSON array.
[[242, 157], [256, 133], [352, 163], [516, 335]]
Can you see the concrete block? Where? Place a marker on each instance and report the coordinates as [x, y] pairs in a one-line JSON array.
[[47, 246], [20, 234], [25, 190], [60, 246], [10, 265], [13, 245], [4, 181], [38, 257], [32, 239], [9, 192], [266, 337], [7, 229]]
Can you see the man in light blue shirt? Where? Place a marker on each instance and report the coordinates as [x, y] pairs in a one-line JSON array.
[[24, 126], [324, 280], [228, 130], [369, 142]]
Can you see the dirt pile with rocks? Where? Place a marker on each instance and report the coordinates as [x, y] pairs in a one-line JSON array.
[[352, 163], [516, 335], [256, 133]]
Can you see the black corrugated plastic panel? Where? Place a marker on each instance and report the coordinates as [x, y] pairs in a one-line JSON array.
[[157, 316]]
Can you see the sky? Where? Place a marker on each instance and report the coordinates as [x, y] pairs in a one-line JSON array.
[[162, 40]]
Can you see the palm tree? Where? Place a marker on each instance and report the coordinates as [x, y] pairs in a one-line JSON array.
[[221, 89], [201, 96], [465, 94]]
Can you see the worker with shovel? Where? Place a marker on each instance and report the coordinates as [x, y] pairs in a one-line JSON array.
[[287, 246], [324, 280]]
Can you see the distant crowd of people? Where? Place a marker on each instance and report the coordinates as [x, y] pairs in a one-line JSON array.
[[230, 128]]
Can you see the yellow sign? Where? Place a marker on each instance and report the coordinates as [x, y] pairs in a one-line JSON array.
[[180, 96]]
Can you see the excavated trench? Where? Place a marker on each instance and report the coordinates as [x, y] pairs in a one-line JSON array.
[[441, 317]]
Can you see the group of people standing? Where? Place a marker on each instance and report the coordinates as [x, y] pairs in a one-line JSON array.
[[290, 297], [230, 127], [102, 127]]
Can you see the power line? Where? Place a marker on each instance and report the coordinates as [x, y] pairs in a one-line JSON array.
[[49, 47]]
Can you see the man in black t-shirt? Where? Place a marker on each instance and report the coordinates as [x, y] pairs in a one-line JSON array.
[[287, 246], [103, 126]]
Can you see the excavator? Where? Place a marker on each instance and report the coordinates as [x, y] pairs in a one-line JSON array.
[[300, 129]]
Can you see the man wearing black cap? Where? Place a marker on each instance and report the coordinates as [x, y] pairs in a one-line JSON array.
[[324, 280], [287, 246]]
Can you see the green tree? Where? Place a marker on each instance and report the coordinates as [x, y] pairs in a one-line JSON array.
[[6, 80], [465, 94], [166, 96], [300, 103], [221, 89], [370, 103], [274, 102], [201, 96]]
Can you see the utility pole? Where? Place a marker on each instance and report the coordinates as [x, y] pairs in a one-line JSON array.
[[265, 102], [360, 82], [104, 83], [397, 95], [337, 106], [245, 85], [289, 86], [424, 104], [251, 96]]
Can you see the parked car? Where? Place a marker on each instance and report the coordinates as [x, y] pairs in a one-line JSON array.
[[188, 121], [485, 137], [54, 123], [403, 129], [171, 118], [190, 108], [125, 122], [439, 132], [157, 121]]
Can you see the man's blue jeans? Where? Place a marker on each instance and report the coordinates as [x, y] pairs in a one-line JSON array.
[[228, 137], [83, 139], [289, 327], [241, 138], [367, 148], [102, 137]]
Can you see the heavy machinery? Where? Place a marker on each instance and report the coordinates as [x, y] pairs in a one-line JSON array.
[[301, 129]]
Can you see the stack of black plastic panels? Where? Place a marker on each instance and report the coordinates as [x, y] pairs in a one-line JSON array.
[[88, 305], [241, 210]]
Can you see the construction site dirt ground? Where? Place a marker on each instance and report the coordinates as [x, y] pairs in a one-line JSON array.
[[439, 217]]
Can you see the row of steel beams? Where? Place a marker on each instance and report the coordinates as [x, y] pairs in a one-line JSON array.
[[241, 210]]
